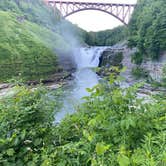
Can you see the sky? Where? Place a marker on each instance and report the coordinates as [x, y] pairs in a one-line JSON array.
[[96, 20]]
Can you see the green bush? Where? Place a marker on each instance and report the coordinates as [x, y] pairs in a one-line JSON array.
[[137, 58], [163, 81], [139, 72], [113, 127], [26, 119]]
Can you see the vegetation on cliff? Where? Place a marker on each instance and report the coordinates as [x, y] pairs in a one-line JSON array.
[[107, 37], [147, 29], [22, 52], [31, 34]]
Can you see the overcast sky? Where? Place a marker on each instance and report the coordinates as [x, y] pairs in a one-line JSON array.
[[96, 20]]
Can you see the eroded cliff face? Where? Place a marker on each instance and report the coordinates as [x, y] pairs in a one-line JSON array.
[[111, 57], [155, 68], [123, 57]]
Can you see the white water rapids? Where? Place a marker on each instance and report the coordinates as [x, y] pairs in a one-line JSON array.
[[84, 77]]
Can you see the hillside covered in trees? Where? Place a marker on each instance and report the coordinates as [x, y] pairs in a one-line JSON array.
[[107, 37], [147, 29], [31, 36]]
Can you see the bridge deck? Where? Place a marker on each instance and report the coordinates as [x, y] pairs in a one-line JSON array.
[[121, 11], [90, 3]]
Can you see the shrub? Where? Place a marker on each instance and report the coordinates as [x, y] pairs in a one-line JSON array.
[[113, 127], [26, 120], [164, 76], [139, 72], [137, 58]]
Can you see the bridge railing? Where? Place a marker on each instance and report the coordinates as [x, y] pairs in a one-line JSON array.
[[121, 11]]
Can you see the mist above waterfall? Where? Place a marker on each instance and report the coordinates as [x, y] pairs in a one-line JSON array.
[[73, 36]]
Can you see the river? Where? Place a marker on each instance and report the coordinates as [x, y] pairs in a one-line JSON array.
[[84, 77]]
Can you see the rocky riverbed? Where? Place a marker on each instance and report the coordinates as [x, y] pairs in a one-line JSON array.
[[118, 55], [55, 81]]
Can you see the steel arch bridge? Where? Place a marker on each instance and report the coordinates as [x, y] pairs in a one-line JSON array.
[[120, 11]]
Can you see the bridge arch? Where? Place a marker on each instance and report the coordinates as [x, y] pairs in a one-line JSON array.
[[122, 12], [77, 11]]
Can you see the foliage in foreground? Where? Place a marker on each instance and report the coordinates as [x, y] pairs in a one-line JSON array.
[[112, 127], [26, 119]]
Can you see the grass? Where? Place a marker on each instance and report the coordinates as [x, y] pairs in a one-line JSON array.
[[26, 44]]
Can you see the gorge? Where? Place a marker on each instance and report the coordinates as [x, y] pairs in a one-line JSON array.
[[90, 117]]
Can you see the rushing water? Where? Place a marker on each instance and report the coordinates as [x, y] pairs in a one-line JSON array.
[[84, 77]]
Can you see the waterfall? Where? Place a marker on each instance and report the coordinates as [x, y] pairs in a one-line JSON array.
[[88, 57], [85, 59]]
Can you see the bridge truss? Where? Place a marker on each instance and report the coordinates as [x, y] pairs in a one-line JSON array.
[[120, 11]]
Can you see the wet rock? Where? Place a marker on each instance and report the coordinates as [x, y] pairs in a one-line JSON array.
[[4, 86], [111, 58], [56, 78]]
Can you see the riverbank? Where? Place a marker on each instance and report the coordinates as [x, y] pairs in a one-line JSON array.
[[118, 55], [55, 81]]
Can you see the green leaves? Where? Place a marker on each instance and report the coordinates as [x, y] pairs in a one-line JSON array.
[[107, 37], [113, 127], [10, 152], [87, 135], [128, 122], [123, 160], [101, 148], [26, 126]]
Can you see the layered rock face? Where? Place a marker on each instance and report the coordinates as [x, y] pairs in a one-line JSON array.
[[111, 58], [123, 57]]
